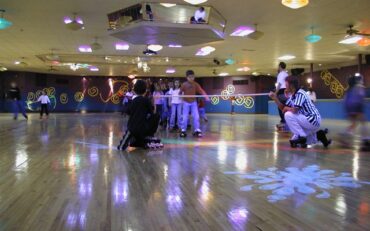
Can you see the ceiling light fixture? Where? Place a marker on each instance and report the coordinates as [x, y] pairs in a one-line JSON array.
[[74, 23], [244, 69], [94, 69], [195, 2], [295, 4], [230, 61], [168, 5], [131, 76], [242, 31], [155, 48], [286, 57], [3, 22], [351, 39], [223, 74], [170, 71], [3, 68], [17, 62], [364, 42], [122, 46], [205, 51], [312, 38], [175, 46], [255, 73], [85, 49]]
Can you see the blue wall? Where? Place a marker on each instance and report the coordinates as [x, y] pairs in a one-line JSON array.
[[329, 109]]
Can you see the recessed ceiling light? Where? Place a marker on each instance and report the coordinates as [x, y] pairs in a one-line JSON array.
[[17, 62], [168, 4], [223, 74], [242, 31], [85, 49], [295, 4], [351, 39], [122, 46], [94, 69], [170, 71], [205, 51], [155, 47], [131, 76], [255, 73], [245, 69], [175, 46], [3, 69], [286, 57], [195, 2]]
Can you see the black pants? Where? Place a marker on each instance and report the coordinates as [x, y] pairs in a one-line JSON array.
[[282, 99], [148, 129], [44, 108]]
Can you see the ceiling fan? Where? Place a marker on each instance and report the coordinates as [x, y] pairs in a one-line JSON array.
[[352, 31], [353, 36]]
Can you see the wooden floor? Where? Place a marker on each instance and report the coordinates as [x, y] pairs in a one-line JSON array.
[[65, 174]]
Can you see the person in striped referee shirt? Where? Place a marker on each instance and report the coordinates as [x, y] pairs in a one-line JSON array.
[[301, 115]]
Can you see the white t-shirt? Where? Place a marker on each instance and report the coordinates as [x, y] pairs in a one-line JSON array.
[[200, 15], [44, 99], [281, 79], [175, 99]]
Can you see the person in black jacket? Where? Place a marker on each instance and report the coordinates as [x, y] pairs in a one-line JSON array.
[[143, 122], [14, 94]]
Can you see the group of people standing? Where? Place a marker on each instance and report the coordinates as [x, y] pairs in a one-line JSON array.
[[173, 104]]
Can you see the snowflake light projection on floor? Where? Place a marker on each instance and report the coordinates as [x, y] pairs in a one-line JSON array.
[[309, 180]]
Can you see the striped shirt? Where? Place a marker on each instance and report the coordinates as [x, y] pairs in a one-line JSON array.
[[305, 107]]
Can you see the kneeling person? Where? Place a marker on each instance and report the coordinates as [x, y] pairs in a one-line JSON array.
[[301, 115], [143, 122]]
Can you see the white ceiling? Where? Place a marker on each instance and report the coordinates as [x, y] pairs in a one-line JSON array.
[[38, 27]]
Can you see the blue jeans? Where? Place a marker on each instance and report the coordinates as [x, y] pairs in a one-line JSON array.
[[193, 107], [17, 107], [202, 113], [175, 111]]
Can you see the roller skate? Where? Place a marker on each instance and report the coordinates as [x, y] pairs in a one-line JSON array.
[[124, 142], [197, 134], [183, 134], [321, 136], [300, 142], [153, 143]]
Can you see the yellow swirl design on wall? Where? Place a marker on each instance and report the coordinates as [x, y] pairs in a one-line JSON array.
[[79, 96], [215, 100], [31, 96], [333, 83], [93, 91], [115, 99], [248, 102], [63, 98], [49, 91]]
